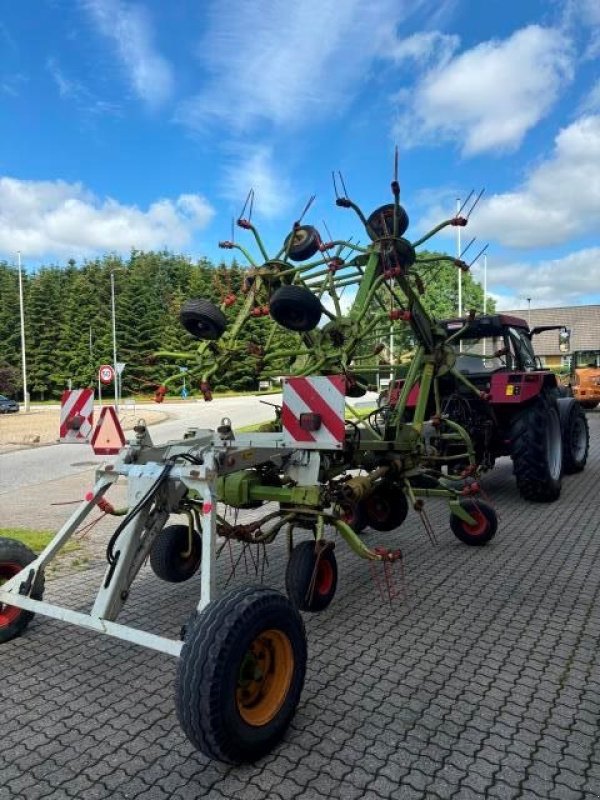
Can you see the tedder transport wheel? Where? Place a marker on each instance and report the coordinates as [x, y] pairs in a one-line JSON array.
[[175, 556], [536, 450], [241, 673], [575, 435], [484, 529], [311, 582], [305, 243], [202, 319], [13, 557], [295, 308], [386, 507]]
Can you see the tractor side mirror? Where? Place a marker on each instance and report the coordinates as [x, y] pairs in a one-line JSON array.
[[564, 340]]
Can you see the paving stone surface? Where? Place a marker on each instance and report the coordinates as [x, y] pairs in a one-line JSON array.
[[485, 682]]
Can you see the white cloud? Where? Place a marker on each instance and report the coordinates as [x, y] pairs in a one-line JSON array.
[[42, 218], [254, 168], [487, 98], [130, 30], [584, 16], [426, 48], [572, 280], [560, 199], [290, 62]]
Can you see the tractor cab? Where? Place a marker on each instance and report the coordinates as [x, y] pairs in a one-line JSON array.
[[493, 343]]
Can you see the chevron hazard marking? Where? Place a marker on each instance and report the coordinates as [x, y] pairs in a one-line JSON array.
[[76, 415], [323, 395]]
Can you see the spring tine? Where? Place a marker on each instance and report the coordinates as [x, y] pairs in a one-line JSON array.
[[241, 216], [469, 196], [251, 204], [343, 184], [396, 163], [477, 199], [479, 254], [306, 207], [467, 247], [335, 188]]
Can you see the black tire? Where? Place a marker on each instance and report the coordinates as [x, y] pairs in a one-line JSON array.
[[305, 242], [221, 707], [295, 308], [381, 221], [575, 435], [13, 557], [353, 514], [311, 585], [485, 527], [386, 507], [536, 450], [171, 557], [202, 319]]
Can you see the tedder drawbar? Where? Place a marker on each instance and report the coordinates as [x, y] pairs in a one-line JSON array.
[[243, 655]]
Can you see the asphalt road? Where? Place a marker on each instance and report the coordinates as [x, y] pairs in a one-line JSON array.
[[23, 468]]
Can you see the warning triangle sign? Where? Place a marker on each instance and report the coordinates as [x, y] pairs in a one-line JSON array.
[[108, 437]]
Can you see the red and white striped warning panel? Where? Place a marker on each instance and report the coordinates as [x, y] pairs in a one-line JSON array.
[[108, 437], [76, 415], [313, 412]]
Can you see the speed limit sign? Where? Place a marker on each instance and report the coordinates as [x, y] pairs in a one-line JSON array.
[[106, 373]]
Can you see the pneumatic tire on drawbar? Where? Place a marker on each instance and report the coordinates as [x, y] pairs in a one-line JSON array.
[[14, 556]]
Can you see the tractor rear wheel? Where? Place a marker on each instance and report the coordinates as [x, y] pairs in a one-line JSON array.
[[575, 435], [240, 674], [484, 528], [14, 556], [536, 450], [311, 581], [203, 319], [175, 554], [295, 308]]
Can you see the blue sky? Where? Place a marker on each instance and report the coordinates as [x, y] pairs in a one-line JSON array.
[[144, 124]]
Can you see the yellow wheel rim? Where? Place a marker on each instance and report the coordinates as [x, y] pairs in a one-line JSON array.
[[265, 677]]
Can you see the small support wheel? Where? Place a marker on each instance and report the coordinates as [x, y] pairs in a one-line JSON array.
[[381, 221], [175, 555], [484, 529], [305, 242], [295, 308], [386, 507], [14, 556], [311, 580], [240, 674], [203, 319]]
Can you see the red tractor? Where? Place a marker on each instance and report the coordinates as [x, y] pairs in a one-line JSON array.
[[521, 410]]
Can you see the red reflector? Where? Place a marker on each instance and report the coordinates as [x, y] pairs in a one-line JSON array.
[[310, 422]]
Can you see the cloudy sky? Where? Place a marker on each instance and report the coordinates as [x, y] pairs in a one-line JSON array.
[[144, 124]]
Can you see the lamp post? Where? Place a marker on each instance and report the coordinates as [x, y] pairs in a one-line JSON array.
[[114, 335], [22, 312]]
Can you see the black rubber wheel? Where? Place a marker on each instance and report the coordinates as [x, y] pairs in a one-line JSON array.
[[575, 435], [240, 674], [536, 450], [171, 557], [311, 583], [295, 308], [381, 221], [386, 507], [13, 557], [353, 514], [305, 242], [202, 319], [486, 523]]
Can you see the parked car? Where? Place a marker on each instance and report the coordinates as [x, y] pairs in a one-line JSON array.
[[8, 406]]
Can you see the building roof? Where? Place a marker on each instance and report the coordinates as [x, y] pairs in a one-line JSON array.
[[583, 321]]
